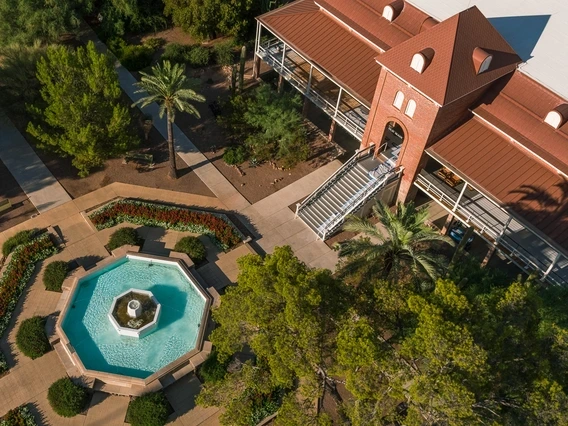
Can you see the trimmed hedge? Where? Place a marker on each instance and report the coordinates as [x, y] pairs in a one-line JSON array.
[[177, 218], [55, 274], [66, 398], [20, 416], [122, 237], [193, 247], [151, 409], [19, 271], [31, 338], [22, 237]]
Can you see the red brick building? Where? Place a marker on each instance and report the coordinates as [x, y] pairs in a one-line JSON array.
[[438, 107]]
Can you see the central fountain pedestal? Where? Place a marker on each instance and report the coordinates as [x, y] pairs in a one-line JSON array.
[[135, 313]]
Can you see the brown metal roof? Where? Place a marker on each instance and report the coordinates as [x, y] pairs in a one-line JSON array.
[[366, 17], [321, 39], [451, 73], [510, 175], [518, 107]]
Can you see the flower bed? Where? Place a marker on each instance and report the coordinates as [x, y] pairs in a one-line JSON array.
[[18, 272], [20, 416], [177, 218]]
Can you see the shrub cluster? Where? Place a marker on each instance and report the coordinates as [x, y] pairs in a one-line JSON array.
[[195, 56], [66, 398], [31, 338], [224, 53], [193, 247], [19, 271], [20, 416], [122, 237], [212, 370], [132, 56], [55, 274], [177, 218], [148, 410], [3, 363], [22, 237], [235, 155]]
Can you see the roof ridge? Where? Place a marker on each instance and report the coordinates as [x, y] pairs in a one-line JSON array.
[[453, 57]]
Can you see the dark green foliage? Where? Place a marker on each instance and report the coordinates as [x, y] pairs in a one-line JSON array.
[[123, 236], [83, 115], [196, 56], [193, 247], [154, 42], [212, 370], [22, 237], [199, 56], [235, 155], [134, 16], [66, 398], [224, 53], [3, 363], [151, 409], [269, 123], [135, 58], [242, 62], [31, 338], [55, 274]]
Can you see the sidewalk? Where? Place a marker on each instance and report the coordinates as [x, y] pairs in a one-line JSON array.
[[207, 172], [43, 190]]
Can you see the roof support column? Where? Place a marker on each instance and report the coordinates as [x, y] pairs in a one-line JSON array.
[[283, 58], [551, 267], [460, 196], [308, 87], [256, 64], [504, 229], [338, 101]]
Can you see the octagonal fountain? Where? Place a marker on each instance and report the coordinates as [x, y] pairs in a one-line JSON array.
[[136, 317]]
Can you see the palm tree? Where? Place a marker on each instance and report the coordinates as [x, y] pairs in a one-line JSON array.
[[406, 244], [171, 90]]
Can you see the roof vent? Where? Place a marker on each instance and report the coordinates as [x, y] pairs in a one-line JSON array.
[[555, 119], [421, 60], [427, 24], [481, 60], [392, 10]]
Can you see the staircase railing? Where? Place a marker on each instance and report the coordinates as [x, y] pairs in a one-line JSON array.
[[385, 173], [359, 154]]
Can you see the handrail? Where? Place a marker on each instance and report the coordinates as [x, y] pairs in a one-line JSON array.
[[346, 166]]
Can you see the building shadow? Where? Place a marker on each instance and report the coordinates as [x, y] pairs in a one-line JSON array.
[[521, 32]]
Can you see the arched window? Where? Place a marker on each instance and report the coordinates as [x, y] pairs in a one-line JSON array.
[[388, 13], [410, 108], [485, 64], [418, 62], [398, 100], [554, 119]]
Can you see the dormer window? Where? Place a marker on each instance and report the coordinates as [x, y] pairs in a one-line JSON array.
[[398, 100], [554, 119], [388, 13], [481, 60], [418, 63], [392, 10]]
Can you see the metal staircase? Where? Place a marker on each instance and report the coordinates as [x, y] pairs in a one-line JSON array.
[[344, 193]]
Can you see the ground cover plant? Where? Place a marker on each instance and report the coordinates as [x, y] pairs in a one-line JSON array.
[[55, 274], [22, 237], [123, 236], [177, 218], [20, 416], [151, 409], [193, 247], [31, 338], [19, 271], [66, 398]]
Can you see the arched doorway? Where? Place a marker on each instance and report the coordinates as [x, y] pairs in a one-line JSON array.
[[393, 138]]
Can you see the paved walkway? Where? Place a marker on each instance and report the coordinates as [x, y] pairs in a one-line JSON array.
[[43, 190], [188, 152]]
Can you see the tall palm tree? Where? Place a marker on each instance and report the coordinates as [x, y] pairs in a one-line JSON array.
[[406, 244], [172, 91]]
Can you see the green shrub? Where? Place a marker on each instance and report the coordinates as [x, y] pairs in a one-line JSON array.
[[224, 53], [115, 45], [20, 416], [175, 52], [122, 237], [235, 155], [212, 370], [199, 56], [3, 363], [55, 274], [31, 338], [148, 410], [193, 247], [66, 398], [154, 42], [22, 237], [135, 57]]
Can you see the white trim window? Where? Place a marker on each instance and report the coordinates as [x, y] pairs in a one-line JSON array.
[[554, 119], [418, 63], [410, 108], [398, 100]]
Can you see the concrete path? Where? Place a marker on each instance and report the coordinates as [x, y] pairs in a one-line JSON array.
[[207, 172], [43, 190]]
